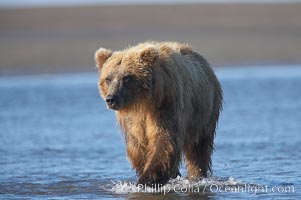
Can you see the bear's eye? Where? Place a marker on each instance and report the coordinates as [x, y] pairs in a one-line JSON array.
[[127, 78], [108, 80]]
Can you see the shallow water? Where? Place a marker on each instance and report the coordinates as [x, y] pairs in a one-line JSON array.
[[58, 140]]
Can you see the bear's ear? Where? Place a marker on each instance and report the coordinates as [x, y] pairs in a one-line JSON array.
[[149, 56], [101, 55]]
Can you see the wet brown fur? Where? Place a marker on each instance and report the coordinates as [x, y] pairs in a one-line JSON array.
[[174, 108]]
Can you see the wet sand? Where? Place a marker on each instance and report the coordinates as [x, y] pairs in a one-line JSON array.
[[63, 39]]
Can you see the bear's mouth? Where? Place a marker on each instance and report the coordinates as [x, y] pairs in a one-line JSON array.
[[113, 106]]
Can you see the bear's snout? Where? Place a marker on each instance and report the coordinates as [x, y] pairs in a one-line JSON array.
[[112, 101]]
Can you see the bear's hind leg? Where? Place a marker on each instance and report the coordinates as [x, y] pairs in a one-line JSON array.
[[198, 157]]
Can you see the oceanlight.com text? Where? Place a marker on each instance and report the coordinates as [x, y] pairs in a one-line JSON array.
[[248, 188]]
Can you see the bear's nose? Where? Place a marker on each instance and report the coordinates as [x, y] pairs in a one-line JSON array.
[[111, 99]]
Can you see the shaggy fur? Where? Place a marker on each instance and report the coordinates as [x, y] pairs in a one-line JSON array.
[[167, 101]]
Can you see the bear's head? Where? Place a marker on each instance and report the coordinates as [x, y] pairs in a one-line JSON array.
[[126, 76]]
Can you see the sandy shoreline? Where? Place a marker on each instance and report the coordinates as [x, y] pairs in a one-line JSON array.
[[57, 40]]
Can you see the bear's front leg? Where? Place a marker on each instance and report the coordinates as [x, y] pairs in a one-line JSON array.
[[136, 152], [155, 177], [162, 160]]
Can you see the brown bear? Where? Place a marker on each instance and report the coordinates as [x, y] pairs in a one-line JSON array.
[[167, 100]]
